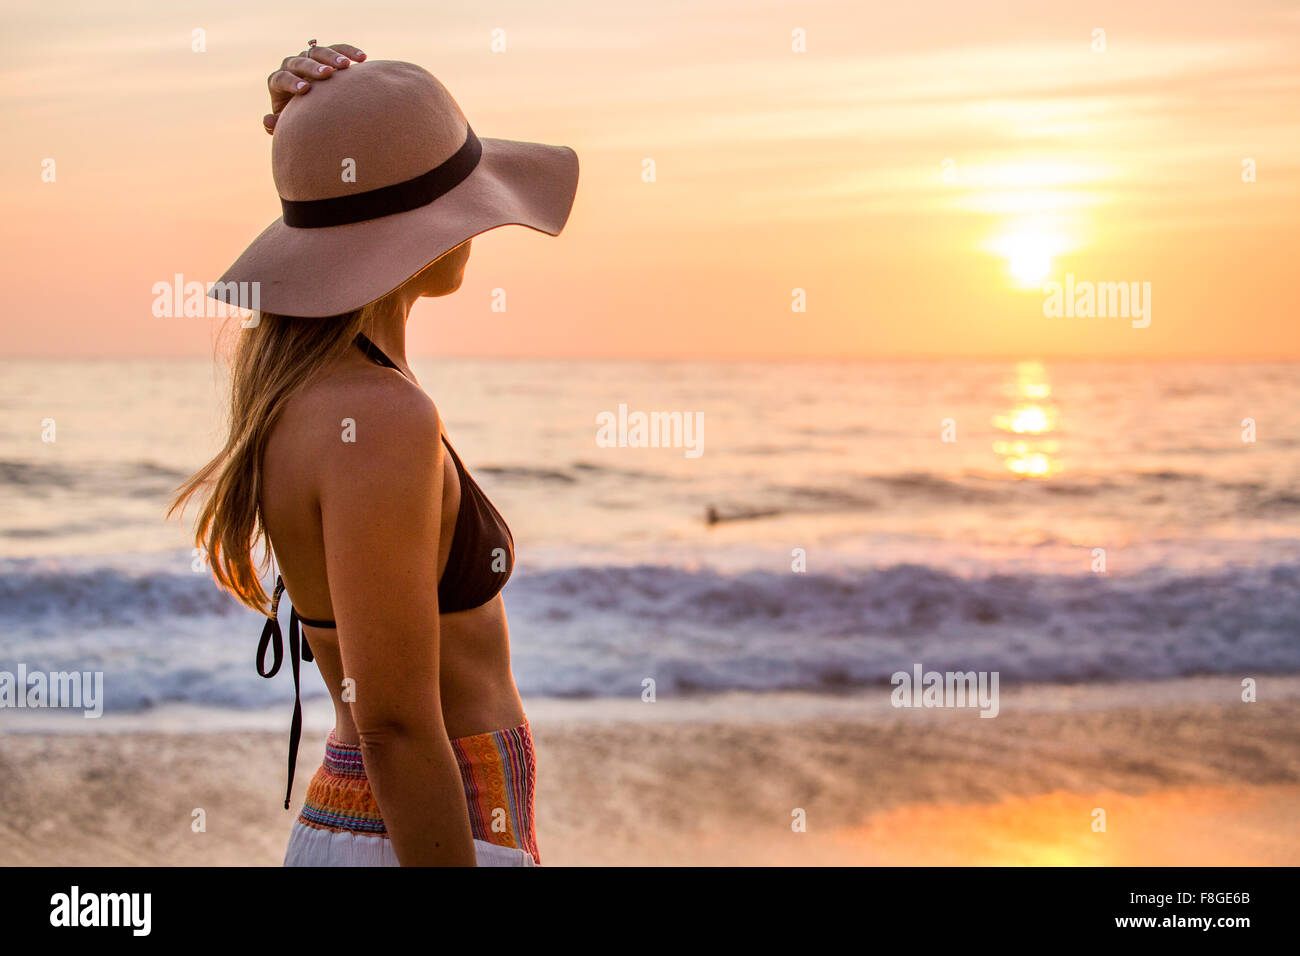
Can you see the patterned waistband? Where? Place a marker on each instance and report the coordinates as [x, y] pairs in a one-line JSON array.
[[498, 770], [343, 760]]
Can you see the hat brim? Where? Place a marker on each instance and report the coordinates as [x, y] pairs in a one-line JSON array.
[[327, 271]]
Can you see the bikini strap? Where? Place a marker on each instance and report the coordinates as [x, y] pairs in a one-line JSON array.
[[298, 648], [376, 354], [373, 351]]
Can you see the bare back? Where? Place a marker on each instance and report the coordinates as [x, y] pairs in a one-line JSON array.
[[303, 456]]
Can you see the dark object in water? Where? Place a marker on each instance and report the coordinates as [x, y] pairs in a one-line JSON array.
[[713, 516]]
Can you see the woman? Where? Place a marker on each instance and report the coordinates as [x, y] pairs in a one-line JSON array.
[[337, 459]]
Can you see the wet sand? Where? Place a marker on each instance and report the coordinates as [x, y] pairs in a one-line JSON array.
[[1185, 772]]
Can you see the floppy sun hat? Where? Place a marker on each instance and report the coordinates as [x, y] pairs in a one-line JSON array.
[[379, 174]]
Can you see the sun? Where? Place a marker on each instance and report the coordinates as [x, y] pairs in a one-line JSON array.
[[1028, 260], [1028, 247], [1028, 255]]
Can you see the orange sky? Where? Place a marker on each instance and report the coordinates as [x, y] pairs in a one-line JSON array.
[[821, 170]]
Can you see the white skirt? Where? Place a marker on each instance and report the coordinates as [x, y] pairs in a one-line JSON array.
[[312, 846]]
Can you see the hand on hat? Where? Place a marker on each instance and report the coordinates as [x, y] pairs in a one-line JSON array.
[[296, 72]]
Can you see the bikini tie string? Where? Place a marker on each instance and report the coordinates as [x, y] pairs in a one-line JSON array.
[[298, 649]]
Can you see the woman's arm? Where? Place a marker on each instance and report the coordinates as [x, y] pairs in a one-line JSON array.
[[381, 507]]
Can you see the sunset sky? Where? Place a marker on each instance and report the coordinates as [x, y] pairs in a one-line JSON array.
[[920, 171]]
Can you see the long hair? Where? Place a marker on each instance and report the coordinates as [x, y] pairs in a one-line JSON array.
[[273, 359]]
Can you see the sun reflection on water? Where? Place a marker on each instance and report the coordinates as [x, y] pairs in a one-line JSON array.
[[1032, 419]]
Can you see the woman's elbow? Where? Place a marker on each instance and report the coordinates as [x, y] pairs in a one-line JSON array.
[[383, 734]]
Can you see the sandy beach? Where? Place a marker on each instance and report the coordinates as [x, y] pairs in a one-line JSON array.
[[1186, 773]]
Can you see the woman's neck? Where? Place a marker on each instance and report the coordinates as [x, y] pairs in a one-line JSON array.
[[388, 331]]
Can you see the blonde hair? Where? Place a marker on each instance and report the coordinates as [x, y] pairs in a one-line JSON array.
[[272, 361]]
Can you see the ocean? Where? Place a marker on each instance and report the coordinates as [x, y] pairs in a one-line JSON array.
[[1081, 523]]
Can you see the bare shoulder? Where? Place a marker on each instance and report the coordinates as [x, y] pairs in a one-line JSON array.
[[362, 422]]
